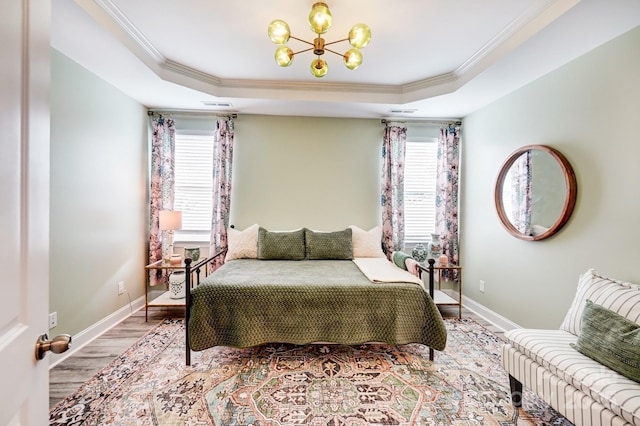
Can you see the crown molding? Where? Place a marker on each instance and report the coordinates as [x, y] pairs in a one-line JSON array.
[[513, 35], [131, 30]]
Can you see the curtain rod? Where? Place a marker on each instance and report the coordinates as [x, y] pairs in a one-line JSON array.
[[455, 121], [192, 112]]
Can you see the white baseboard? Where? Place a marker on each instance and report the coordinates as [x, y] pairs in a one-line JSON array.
[[494, 318], [87, 335]]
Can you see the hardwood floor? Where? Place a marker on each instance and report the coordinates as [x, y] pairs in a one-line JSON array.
[[66, 377]]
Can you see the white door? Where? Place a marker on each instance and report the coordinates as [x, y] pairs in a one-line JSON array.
[[24, 209]]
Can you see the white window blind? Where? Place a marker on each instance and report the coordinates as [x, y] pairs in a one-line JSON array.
[[419, 191], [193, 186]]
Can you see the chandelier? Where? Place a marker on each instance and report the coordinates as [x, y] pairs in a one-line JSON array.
[[319, 21]]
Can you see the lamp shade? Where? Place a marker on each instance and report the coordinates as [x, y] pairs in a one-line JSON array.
[[320, 18], [170, 220], [353, 58], [279, 32], [360, 36], [319, 67], [284, 56]]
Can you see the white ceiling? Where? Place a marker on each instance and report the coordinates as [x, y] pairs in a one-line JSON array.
[[440, 58]]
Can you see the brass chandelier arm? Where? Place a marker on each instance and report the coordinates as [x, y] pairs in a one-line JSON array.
[[324, 45], [337, 41], [333, 51], [299, 39], [302, 51]]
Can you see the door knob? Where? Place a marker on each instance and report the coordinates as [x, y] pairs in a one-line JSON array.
[[57, 345]]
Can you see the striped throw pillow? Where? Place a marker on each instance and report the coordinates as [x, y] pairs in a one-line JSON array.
[[620, 297], [610, 339]]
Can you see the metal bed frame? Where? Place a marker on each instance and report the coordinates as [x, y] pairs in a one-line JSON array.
[[197, 270]]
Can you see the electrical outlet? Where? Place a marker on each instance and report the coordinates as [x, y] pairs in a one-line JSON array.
[[481, 286], [120, 288], [53, 320]]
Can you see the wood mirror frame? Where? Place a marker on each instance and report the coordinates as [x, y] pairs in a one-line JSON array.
[[571, 191]]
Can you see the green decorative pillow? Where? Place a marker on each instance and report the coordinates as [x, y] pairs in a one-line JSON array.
[[610, 339], [287, 245], [329, 245]]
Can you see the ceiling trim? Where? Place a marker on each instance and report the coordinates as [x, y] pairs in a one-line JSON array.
[[516, 33], [126, 26], [111, 18]]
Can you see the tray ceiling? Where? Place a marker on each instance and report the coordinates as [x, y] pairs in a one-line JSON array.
[[436, 58]]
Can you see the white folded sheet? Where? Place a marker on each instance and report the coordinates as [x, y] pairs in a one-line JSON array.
[[381, 270]]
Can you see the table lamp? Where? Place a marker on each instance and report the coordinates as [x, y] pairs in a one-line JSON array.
[[169, 221]]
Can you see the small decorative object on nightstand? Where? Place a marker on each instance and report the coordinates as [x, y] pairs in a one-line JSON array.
[[444, 259], [419, 253], [177, 285], [175, 259], [434, 248], [192, 252]]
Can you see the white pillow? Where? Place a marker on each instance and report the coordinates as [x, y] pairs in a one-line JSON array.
[[367, 243], [620, 297], [242, 244]]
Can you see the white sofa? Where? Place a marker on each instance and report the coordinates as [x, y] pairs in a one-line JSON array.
[[585, 391]]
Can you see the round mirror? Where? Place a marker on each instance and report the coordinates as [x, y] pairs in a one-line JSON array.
[[535, 192]]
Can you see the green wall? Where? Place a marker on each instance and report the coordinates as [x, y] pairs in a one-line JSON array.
[[322, 173], [588, 109], [98, 196]]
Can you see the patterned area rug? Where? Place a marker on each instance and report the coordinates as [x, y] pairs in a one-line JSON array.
[[322, 385]]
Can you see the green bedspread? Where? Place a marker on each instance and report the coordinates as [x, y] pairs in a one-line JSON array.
[[252, 302]]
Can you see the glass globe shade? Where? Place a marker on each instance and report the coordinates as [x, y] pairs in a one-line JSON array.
[[284, 56], [360, 35], [279, 31], [320, 18], [352, 58], [319, 68]]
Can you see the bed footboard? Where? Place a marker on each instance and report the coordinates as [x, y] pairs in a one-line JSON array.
[[190, 270], [429, 269]]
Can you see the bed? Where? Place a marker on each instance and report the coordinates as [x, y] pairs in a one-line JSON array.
[[250, 302]]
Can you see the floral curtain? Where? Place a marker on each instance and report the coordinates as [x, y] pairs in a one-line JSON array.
[[222, 162], [392, 197], [521, 193], [162, 187], [447, 184]]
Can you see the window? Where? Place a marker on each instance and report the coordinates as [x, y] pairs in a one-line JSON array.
[[420, 190], [193, 186]]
